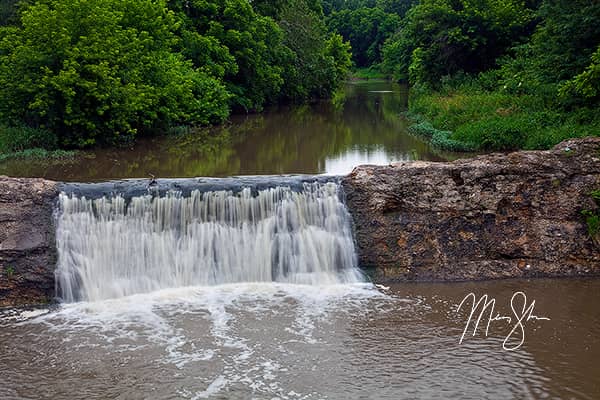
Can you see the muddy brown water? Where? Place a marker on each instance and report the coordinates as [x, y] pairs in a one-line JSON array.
[[364, 128], [269, 341]]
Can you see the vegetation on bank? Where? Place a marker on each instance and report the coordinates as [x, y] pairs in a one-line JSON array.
[[485, 75], [75, 73], [472, 117], [369, 73], [592, 218], [488, 75]]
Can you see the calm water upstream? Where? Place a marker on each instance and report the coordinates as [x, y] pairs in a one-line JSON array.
[[322, 138]]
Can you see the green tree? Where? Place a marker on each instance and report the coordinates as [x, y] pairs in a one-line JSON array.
[[585, 86], [100, 71], [340, 51], [561, 47], [366, 29], [451, 36], [8, 11], [398, 7], [243, 47], [275, 8], [310, 71]]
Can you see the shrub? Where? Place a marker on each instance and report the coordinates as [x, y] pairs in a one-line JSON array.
[[18, 138], [496, 132], [100, 71], [592, 218]]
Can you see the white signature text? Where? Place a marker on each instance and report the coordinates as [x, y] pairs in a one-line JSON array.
[[484, 310]]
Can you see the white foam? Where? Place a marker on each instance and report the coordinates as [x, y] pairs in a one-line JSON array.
[[110, 249], [22, 315], [215, 387], [203, 328]]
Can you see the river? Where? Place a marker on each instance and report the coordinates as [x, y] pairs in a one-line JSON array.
[[269, 341], [363, 128], [239, 288]]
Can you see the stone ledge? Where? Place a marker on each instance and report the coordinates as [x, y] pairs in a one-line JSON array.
[[27, 246], [492, 216]]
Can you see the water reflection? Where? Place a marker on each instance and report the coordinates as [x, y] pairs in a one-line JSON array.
[[364, 128]]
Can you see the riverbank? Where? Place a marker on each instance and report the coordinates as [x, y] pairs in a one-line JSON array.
[[317, 138], [369, 73], [467, 117]]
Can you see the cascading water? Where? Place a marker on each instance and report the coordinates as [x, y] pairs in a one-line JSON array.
[[112, 247]]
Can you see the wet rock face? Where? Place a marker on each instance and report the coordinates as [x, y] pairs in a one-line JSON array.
[[494, 216], [27, 247]]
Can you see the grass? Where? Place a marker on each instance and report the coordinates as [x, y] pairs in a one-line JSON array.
[[39, 154], [10, 271], [369, 73], [439, 138], [473, 118], [19, 142], [593, 224]]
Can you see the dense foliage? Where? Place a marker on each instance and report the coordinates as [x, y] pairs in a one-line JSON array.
[[443, 37], [486, 74], [101, 69], [318, 59], [366, 24], [78, 72], [500, 74], [366, 29]]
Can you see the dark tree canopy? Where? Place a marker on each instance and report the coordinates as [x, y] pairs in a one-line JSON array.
[[101, 71], [366, 29], [443, 37]]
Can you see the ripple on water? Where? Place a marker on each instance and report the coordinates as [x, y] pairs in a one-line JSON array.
[[280, 341]]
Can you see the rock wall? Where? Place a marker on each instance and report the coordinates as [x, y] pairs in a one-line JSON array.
[[494, 216], [27, 247]]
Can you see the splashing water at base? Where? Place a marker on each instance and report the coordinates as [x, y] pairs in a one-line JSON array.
[[271, 340], [112, 247]]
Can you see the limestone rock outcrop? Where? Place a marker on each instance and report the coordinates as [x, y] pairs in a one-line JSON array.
[[492, 216], [27, 246]]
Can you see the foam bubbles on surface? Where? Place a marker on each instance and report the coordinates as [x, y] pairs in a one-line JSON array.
[[238, 335], [112, 247], [270, 340]]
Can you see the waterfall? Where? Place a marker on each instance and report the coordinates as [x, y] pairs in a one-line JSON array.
[[111, 247]]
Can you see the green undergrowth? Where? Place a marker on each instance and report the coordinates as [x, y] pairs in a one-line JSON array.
[[40, 154], [369, 73], [17, 142], [471, 118], [592, 218], [439, 138]]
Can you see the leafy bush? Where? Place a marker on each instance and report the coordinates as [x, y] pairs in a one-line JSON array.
[[100, 71], [497, 120], [445, 37], [366, 28], [584, 87], [18, 138], [496, 132], [592, 218]]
